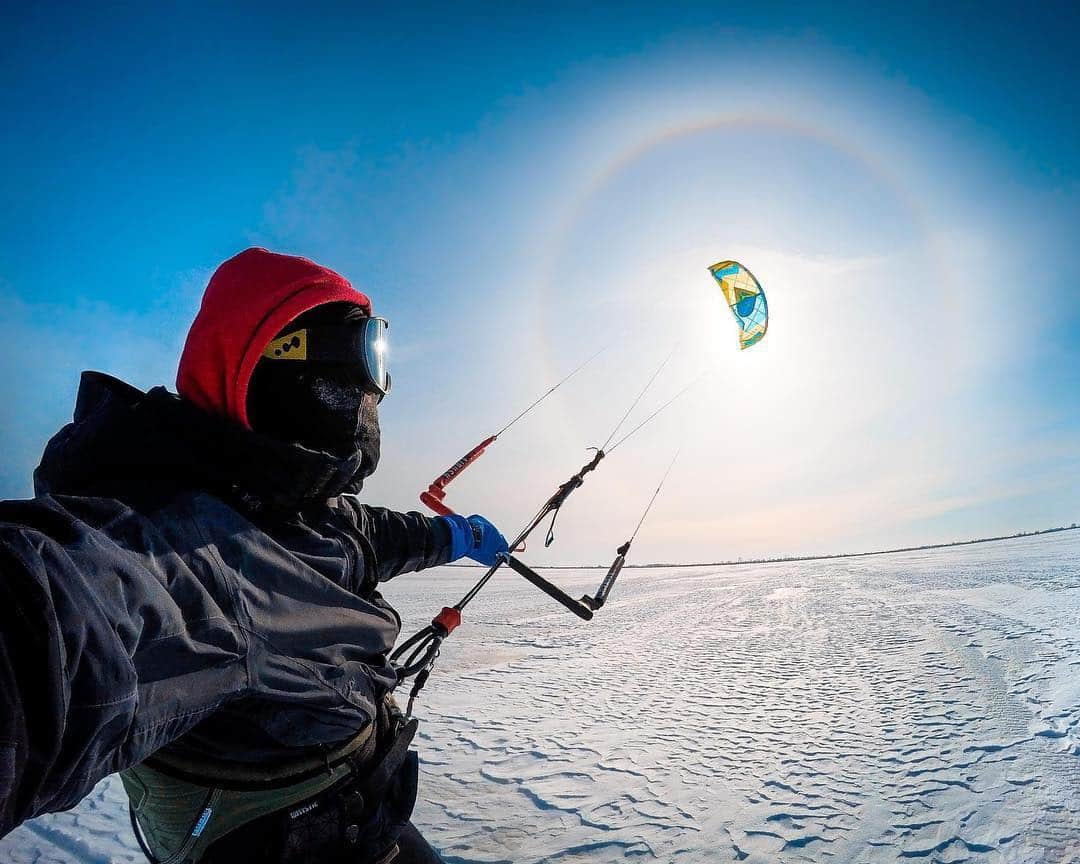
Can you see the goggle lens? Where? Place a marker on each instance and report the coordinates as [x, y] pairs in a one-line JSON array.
[[374, 352]]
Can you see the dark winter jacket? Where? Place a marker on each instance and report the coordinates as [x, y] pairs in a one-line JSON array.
[[180, 575]]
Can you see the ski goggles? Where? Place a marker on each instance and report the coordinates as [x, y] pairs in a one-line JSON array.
[[358, 347]]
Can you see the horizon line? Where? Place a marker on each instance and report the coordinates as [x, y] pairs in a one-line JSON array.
[[788, 558]]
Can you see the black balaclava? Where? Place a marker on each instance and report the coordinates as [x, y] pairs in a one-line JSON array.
[[320, 406]]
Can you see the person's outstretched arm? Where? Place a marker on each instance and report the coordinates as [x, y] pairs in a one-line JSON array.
[[105, 655], [406, 542]]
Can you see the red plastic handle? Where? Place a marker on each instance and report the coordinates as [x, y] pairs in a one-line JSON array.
[[433, 498], [464, 462]]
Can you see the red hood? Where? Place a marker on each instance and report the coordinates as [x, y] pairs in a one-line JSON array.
[[250, 298]]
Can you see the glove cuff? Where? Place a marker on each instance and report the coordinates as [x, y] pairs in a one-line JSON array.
[[462, 538]]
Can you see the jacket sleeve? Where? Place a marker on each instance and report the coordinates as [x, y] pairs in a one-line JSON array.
[[402, 542], [105, 655]]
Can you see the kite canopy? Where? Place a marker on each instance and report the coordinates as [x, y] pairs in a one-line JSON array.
[[747, 301]]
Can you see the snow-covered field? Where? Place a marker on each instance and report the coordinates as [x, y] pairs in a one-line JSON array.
[[919, 706]]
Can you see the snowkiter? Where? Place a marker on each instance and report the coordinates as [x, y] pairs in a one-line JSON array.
[[192, 596]]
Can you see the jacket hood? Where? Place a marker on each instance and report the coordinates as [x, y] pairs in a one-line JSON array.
[[144, 448], [247, 301]]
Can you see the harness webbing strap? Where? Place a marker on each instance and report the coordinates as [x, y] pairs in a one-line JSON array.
[[391, 762], [242, 777]]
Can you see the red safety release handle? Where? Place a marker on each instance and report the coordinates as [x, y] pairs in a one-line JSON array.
[[435, 492], [432, 499]]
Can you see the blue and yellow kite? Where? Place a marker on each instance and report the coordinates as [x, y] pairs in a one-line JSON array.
[[747, 301]]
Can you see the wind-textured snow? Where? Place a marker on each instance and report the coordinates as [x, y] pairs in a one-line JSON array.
[[919, 706]]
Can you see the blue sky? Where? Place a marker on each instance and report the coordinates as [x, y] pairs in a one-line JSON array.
[[514, 187]]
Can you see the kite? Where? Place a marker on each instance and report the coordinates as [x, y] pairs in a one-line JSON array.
[[747, 301]]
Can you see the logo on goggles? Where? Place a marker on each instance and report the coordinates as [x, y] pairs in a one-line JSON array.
[[291, 346]]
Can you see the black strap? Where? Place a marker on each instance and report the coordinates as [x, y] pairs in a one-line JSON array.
[[390, 763], [258, 778], [550, 538]]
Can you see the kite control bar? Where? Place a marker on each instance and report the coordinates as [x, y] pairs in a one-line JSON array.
[[581, 607], [416, 655], [550, 508]]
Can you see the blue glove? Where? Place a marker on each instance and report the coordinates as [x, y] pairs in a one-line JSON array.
[[475, 538]]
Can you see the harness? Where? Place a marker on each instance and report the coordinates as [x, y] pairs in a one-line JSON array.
[[180, 807]]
